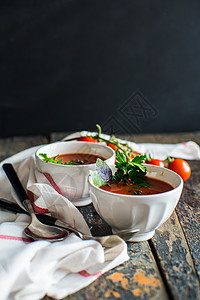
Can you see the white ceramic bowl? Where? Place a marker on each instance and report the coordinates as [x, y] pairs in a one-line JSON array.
[[143, 212], [72, 180]]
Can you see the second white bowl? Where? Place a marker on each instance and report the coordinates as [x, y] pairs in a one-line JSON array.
[[72, 180]]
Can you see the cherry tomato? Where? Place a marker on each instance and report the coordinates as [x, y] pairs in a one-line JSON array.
[[115, 148], [133, 154], [181, 167], [156, 162], [87, 139]]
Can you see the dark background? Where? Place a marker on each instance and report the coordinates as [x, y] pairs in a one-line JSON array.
[[69, 64]]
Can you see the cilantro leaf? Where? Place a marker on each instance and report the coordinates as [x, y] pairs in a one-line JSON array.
[[139, 159], [49, 159], [54, 159], [118, 175], [120, 157], [131, 170]]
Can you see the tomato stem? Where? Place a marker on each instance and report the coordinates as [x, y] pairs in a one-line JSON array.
[[114, 141], [168, 161]]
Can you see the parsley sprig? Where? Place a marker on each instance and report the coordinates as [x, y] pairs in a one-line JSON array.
[[130, 171], [127, 171]]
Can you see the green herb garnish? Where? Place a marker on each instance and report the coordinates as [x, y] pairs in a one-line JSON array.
[[54, 159], [97, 179], [130, 170], [103, 170]]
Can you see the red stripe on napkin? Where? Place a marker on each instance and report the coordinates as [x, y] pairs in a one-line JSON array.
[[84, 273], [37, 209], [52, 182], [14, 238]]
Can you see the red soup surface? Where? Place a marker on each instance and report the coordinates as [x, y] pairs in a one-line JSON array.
[[156, 187], [79, 158]]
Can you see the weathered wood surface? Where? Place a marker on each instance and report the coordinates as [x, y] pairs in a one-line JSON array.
[[11, 146], [174, 259], [188, 210], [167, 266], [165, 138], [138, 278], [176, 244]]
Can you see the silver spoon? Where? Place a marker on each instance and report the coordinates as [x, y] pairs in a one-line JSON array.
[[35, 229], [45, 219], [125, 234], [107, 241], [45, 229]]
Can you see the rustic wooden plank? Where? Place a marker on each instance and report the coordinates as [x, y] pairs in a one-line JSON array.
[[96, 224], [166, 138], [137, 278], [174, 258], [58, 136], [134, 278], [188, 210], [178, 263], [10, 146]]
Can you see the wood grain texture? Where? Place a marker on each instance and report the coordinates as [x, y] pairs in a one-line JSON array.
[[137, 278], [176, 245], [167, 266], [188, 211], [11, 146], [165, 138], [172, 253]]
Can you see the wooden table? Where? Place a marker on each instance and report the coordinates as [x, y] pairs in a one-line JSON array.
[[165, 267]]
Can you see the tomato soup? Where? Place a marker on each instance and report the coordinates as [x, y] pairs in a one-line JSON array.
[[79, 158], [155, 187]]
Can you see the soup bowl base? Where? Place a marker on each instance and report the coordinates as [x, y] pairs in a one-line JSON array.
[[139, 237], [81, 201]]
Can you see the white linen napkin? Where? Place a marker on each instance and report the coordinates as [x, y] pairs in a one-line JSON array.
[[186, 150], [30, 270]]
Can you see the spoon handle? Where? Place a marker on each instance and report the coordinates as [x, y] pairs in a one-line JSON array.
[[45, 219], [13, 178]]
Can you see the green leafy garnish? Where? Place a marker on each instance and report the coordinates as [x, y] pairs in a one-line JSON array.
[[130, 170], [103, 173], [144, 184], [54, 159], [97, 179], [103, 170]]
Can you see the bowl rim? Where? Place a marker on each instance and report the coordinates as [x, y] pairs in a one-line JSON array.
[[141, 196], [75, 142]]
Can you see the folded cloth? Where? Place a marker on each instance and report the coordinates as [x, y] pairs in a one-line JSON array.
[[30, 270], [186, 150]]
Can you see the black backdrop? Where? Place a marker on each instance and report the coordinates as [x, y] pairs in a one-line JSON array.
[[128, 65]]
